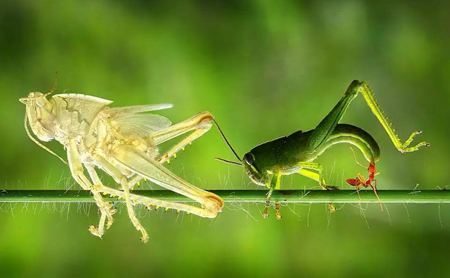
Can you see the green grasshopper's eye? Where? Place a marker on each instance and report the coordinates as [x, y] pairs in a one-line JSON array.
[[249, 158]]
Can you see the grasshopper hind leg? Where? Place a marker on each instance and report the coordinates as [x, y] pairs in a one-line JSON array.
[[198, 125], [128, 157], [403, 147], [327, 126]]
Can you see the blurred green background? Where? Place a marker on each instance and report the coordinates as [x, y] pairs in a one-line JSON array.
[[264, 69]]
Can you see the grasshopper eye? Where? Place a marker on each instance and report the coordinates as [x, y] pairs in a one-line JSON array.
[[249, 158]]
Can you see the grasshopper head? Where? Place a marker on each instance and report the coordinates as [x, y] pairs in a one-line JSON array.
[[39, 115], [252, 170], [248, 161]]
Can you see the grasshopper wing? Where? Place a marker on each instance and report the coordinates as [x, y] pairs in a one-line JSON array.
[[131, 120], [141, 108], [140, 124]]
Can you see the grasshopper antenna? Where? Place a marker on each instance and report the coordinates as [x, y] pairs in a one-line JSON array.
[[229, 145], [228, 161]]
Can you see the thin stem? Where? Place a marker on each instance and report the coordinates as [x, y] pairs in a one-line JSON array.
[[243, 196]]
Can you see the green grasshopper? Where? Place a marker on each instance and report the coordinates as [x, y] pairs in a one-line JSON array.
[[296, 153]]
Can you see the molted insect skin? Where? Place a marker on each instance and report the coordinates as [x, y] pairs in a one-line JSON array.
[[123, 143], [39, 115]]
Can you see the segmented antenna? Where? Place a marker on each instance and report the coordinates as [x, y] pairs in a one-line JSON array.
[[228, 161], [39, 143], [226, 141]]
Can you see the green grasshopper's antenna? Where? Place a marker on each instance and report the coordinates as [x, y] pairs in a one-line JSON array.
[[228, 161], [229, 145]]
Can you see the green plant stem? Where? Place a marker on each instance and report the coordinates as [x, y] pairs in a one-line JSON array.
[[242, 196]]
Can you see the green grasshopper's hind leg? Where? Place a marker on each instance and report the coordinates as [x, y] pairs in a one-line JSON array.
[[403, 147], [326, 127]]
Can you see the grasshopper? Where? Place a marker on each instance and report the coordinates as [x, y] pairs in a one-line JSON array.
[[296, 153], [123, 142]]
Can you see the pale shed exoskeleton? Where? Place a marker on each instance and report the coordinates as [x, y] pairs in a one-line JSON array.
[[123, 142]]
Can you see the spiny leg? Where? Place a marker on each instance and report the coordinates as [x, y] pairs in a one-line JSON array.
[[173, 152], [152, 202], [127, 158], [77, 171], [363, 88], [116, 174], [199, 124], [133, 160], [78, 174], [327, 125], [133, 199]]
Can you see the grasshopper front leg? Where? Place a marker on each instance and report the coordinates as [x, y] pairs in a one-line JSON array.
[[274, 182], [76, 168]]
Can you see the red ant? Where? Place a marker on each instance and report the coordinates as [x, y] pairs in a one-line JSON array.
[[360, 181]]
